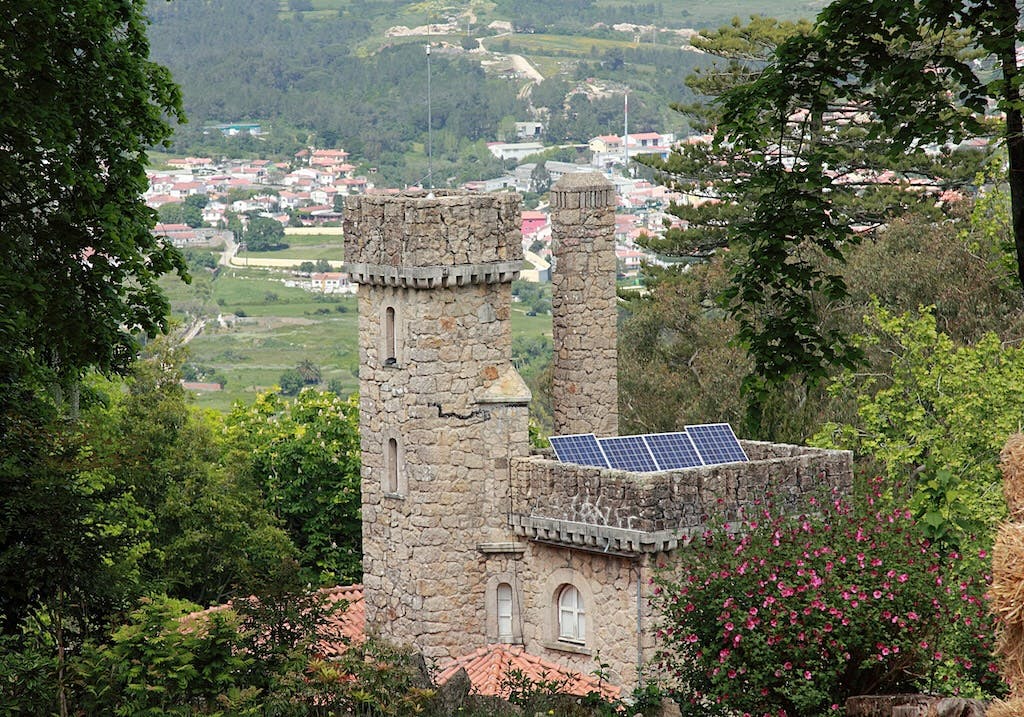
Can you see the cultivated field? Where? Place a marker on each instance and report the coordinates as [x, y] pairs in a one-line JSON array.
[[277, 328]]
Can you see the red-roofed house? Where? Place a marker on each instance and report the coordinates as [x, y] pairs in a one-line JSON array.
[[533, 220], [327, 157]]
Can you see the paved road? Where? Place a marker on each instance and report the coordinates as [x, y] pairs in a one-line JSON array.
[[230, 249]]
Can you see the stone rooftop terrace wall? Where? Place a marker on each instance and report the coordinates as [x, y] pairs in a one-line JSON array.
[[674, 501], [416, 229]]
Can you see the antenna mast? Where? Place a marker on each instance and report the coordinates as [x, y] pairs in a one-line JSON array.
[[625, 129], [430, 123]]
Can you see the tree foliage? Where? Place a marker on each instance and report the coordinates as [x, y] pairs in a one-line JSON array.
[[304, 454], [210, 534], [824, 132], [936, 413], [79, 105], [792, 614], [263, 234], [679, 363]]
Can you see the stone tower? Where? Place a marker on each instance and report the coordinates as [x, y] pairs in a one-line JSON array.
[[442, 410], [583, 305]]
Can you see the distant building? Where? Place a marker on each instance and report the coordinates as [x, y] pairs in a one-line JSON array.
[[607, 150], [331, 282], [516, 151], [233, 129], [529, 130]]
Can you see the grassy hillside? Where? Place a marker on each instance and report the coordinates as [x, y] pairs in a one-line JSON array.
[[278, 328]]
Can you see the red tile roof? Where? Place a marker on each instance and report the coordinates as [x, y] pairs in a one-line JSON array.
[[488, 669], [348, 624], [342, 627]]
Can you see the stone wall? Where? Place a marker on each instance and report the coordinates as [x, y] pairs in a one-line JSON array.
[[442, 228], [604, 530], [584, 306], [442, 411], [673, 500], [615, 592]]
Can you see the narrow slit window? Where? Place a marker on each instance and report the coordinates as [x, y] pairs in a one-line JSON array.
[[390, 355], [391, 474], [504, 596]]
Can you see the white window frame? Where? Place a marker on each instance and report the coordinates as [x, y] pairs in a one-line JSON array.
[[504, 611], [572, 619]]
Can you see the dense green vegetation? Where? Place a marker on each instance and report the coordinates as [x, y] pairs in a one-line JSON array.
[[124, 506]]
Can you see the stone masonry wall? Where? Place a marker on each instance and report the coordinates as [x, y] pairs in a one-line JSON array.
[[450, 399], [674, 500], [609, 585], [443, 228], [583, 306]]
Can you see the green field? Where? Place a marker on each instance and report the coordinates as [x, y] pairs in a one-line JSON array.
[[278, 328], [298, 253]]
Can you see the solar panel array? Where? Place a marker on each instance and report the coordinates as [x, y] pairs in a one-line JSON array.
[[581, 448], [628, 453], [702, 445]]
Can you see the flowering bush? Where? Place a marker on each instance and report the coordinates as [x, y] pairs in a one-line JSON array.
[[789, 615]]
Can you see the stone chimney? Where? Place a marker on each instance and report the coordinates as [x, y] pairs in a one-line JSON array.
[[584, 312]]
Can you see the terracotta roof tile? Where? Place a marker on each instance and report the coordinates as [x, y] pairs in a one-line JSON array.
[[342, 627], [349, 624], [488, 668]]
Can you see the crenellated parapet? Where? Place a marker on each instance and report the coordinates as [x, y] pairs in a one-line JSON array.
[[621, 512], [421, 240]]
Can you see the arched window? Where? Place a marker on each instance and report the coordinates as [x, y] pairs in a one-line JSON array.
[[391, 467], [390, 355], [504, 597], [572, 623]]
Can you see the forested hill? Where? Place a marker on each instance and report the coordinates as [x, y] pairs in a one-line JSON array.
[[327, 71], [236, 60]]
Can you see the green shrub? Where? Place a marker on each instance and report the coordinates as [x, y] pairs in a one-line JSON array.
[[789, 615]]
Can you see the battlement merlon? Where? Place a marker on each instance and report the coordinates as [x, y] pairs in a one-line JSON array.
[[624, 513], [424, 240]]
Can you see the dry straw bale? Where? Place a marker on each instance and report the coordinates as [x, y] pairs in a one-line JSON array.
[[1007, 591], [1010, 648], [1011, 462], [1013, 708]]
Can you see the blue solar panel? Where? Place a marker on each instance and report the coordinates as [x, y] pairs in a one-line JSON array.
[[716, 443], [628, 453], [581, 448], [672, 450]]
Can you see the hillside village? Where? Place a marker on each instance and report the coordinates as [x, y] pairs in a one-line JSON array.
[[310, 191]]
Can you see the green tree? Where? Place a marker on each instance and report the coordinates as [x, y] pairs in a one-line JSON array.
[[181, 213], [263, 234], [161, 662], [822, 151], [935, 415], [309, 371], [209, 532], [70, 538], [540, 178], [678, 362], [304, 454], [291, 382], [80, 104]]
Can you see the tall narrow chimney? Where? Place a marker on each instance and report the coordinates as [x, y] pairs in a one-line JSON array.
[[585, 390]]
